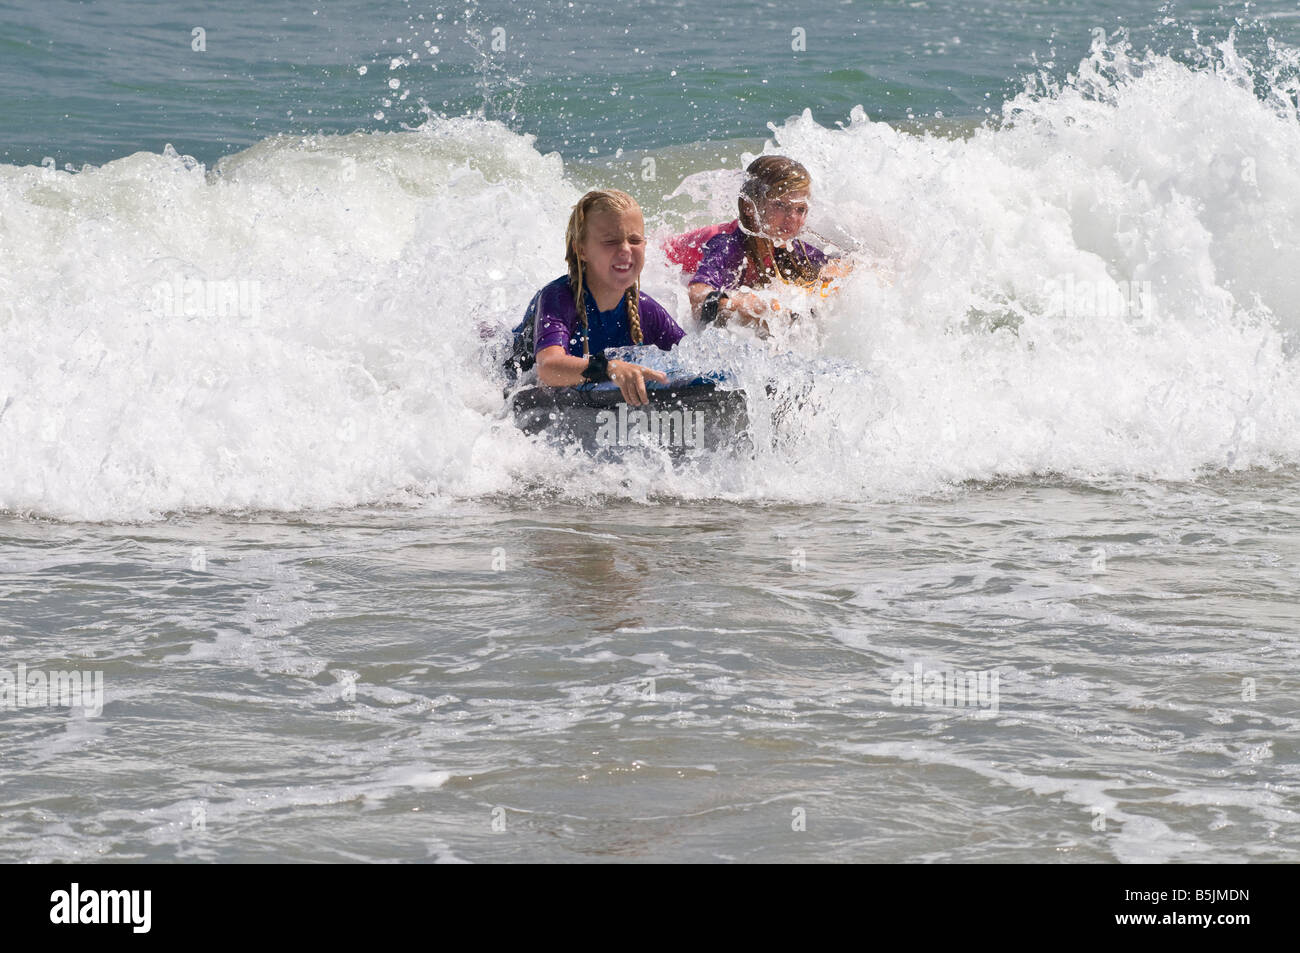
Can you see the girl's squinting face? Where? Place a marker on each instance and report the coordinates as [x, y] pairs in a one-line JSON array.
[[783, 218], [613, 252]]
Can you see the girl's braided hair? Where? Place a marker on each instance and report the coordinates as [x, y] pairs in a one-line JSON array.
[[599, 200]]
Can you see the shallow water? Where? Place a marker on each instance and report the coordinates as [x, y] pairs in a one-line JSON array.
[[672, 682]]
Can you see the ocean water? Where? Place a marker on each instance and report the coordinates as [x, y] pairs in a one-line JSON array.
[[257, 483]]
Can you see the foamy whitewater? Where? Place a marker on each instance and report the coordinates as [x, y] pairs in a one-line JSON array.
[[1015, 581], [1100, 285]]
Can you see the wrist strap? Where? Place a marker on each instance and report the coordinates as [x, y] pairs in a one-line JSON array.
[[597, 369], [709, 308]]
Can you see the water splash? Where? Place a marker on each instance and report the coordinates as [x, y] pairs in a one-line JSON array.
[[1100, 284]]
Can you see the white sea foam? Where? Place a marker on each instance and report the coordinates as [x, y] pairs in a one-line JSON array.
[[1102, 285], [1140, 838]]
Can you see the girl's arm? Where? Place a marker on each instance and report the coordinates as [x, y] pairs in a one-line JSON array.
[[721, 259], [557, 368], [698, 291], [747, 307]]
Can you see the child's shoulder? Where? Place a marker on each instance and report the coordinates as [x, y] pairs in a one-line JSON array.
[[687, 249], [724, 249], [555, 292], [558, 286], [727, 236]]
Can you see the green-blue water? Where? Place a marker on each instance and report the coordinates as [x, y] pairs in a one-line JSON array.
[[92, 82]]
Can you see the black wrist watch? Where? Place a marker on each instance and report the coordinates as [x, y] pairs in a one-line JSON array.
[[597, 369], [709, 308]]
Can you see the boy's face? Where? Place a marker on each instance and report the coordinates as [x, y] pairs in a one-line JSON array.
[[614, 250], [783, 218]]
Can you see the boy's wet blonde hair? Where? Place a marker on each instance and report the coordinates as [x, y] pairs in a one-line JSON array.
[[771, 177], [598, 200]]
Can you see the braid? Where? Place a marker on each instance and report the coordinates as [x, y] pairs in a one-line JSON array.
[[634, 312], [573, 235], [580, 308]]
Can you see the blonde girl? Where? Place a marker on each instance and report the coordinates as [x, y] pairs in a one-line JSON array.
[[598, 305]]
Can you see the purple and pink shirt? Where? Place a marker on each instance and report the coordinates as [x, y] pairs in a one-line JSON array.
[[721, 260]]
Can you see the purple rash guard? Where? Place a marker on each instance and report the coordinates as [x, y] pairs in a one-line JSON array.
[[557, 322], [722, 260]]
